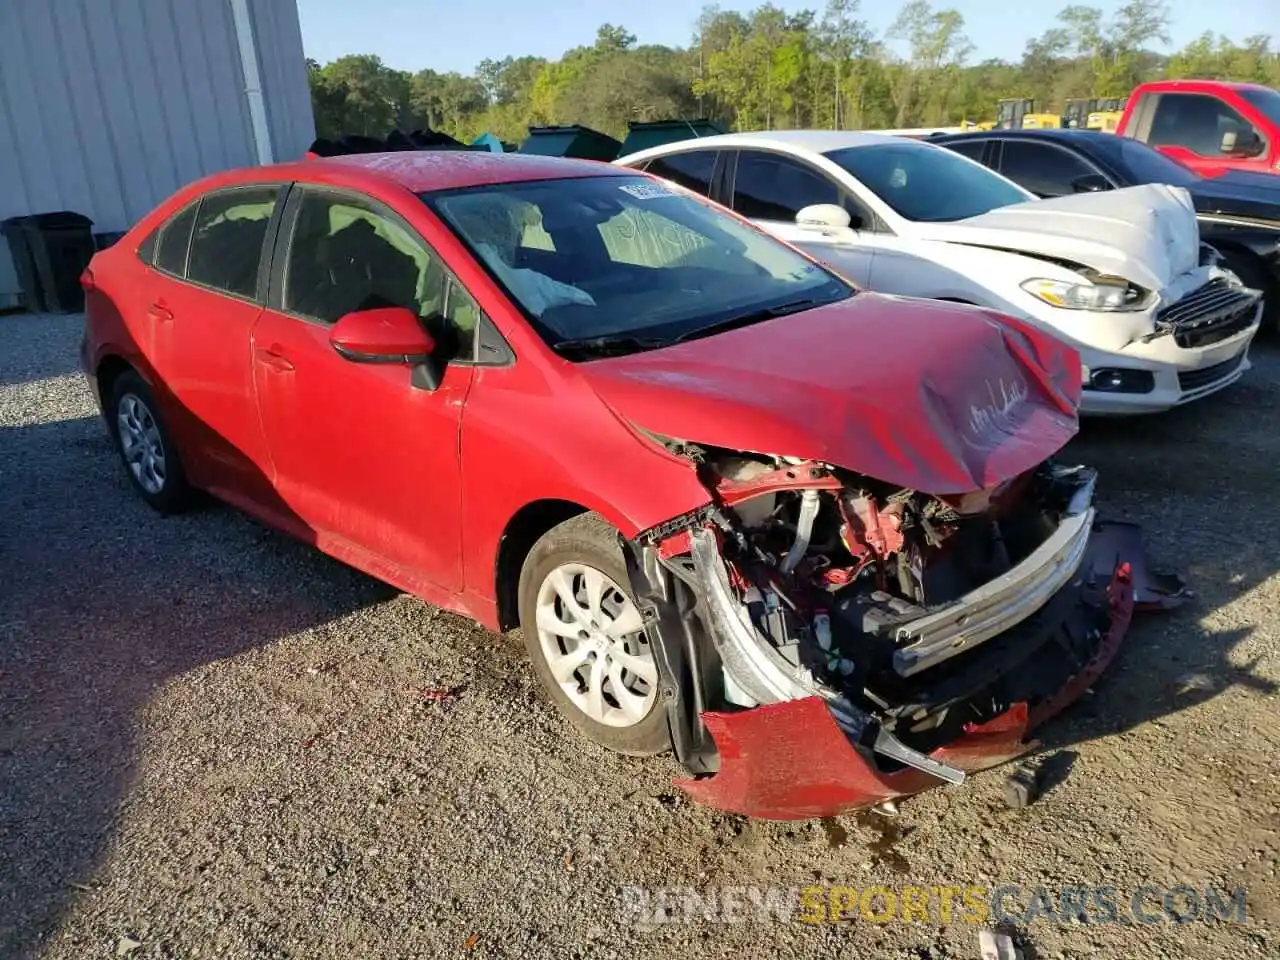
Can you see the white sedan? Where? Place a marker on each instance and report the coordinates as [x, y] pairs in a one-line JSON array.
[[1120, 275]]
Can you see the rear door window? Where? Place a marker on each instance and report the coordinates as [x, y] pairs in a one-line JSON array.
[[230, 234]]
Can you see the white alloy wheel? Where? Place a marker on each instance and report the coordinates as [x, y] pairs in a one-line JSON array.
[[592, 637], [141, 443]]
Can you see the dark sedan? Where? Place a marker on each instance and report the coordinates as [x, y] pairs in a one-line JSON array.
[[1239, 213]]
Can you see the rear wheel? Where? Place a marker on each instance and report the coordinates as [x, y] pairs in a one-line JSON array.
[[145, 445], [586, 638]]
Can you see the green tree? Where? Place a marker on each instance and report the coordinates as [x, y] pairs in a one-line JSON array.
[[770, 68], [937, 46]]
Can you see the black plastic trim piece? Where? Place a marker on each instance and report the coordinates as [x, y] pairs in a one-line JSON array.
[[675, 631]]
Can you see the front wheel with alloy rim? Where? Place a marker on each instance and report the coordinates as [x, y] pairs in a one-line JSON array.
[[586, 637], [145, 446]]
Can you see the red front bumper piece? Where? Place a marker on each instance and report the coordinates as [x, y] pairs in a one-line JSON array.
[[791, 761]]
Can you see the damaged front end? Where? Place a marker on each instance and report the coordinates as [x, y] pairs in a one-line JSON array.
[[828, 641]]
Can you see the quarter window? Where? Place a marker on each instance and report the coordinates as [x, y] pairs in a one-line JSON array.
[[771, 187], [348, 254], [173, 241], [230, 232]]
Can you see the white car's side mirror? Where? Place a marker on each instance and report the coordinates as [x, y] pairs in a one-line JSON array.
[[824, 218]]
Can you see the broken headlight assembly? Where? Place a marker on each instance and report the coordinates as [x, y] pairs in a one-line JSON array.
[[1106, 294]]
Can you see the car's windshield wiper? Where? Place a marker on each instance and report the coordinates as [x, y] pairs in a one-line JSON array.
[[745, 319], [611, 344]]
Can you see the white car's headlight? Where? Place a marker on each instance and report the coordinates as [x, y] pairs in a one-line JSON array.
[[1103, 295]]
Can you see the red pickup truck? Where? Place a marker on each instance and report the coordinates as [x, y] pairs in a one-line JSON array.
[[1210, 126]]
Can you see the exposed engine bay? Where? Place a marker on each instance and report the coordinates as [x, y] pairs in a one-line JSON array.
[[833, 577], [913, 616]]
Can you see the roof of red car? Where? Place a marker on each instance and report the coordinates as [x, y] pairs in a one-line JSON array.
[[422, 170]]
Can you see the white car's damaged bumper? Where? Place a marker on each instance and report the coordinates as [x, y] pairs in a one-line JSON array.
[[1197, 345]]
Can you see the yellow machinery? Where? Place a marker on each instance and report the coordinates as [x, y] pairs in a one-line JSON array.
[[1094, 114], [1019, 113], [1106, 115], [1076, 113]]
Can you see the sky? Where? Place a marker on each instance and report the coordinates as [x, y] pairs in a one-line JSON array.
[[456, 35]]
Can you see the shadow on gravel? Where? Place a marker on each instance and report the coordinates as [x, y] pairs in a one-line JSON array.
[[1208, 473], [103, 602]]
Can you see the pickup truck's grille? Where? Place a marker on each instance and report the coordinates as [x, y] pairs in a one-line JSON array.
[[1208, 315]]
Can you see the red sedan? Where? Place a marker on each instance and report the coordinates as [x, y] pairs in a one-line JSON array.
[[811, 539]]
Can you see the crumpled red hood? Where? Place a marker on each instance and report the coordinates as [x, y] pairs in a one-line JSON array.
[[942, 398]]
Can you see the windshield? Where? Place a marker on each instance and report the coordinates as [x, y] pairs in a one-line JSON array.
[[1144, 164], [924, 182], [1265, 100], [628, 256]]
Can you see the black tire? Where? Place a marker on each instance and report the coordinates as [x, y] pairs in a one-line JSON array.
[[1253, 273], [174, 493], [589, 540]]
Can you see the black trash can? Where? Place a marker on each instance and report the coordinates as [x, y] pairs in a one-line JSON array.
[[24, 265], [59, 245]]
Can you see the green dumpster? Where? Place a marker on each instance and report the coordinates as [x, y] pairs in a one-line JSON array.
[[641, 135], [570, 141]]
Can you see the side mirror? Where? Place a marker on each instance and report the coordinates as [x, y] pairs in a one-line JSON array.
[[827, 219], [1090, 183], [1241, 142], [384, 335]]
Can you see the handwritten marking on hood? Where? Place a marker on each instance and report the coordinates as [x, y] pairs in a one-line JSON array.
[[990, 422]]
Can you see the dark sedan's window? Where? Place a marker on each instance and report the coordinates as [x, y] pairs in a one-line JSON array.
[[970, 148], [1044, 169], [231, 229], [771, 187], [1143, 164], [691, 170], [174, 239]]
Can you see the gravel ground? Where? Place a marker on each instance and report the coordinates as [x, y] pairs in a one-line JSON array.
[[211, 744]]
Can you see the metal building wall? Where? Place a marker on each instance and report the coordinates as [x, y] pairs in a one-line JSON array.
[[283, 68], [108, 106]]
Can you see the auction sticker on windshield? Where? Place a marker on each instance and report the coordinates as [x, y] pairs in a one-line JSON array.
[[648, 191]]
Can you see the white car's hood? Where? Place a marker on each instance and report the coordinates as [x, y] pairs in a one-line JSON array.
[[1147, 235]]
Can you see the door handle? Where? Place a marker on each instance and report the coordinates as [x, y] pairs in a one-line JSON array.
[[159, 313], [274, 360]]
